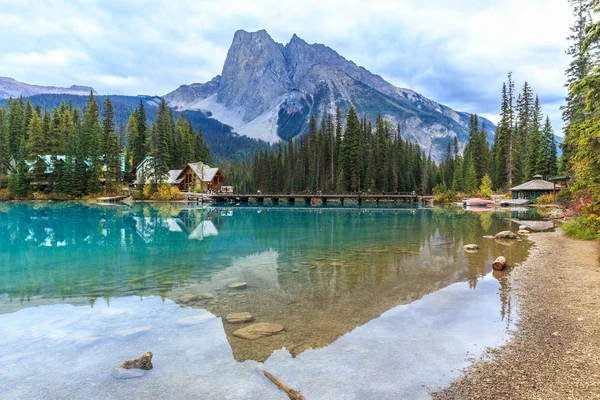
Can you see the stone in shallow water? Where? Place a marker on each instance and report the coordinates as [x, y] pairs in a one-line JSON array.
[[489, 237], [122, 373], [190, 298], [195, 320], [131, 333], [258, 330], [236, 318], [471, 247], [238, 285], [506, 235], [523, 232]]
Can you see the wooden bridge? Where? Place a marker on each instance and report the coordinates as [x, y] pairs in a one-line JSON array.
[[307, 198]]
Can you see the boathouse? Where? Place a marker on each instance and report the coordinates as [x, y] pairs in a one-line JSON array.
[[533, 189]]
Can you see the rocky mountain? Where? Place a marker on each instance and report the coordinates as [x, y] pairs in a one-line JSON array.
[[268, 91], [10, 87]]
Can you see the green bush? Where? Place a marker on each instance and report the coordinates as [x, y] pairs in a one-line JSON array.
[[582, 228]]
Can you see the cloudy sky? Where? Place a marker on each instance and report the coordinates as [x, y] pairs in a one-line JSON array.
[[455, 52]]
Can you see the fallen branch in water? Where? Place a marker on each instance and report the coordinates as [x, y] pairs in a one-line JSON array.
[[292, 394]]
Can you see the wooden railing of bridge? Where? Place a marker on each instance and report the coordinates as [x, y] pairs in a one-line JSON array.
[[292, 198]]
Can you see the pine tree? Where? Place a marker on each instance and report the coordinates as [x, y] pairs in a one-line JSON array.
[[579, 68], [352, 152], [160, 138], [111, 147], [36, 141], [139, 147], [535, 141], [91, 143]]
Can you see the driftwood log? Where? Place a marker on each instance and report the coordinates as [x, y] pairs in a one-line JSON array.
[[292, 394], [499, 263], [144, 362]]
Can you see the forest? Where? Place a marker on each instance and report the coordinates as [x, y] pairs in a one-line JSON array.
[[71, 152], [581, 115], [361, 157]]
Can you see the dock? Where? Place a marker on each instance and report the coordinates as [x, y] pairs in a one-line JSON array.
[[113, 199], [324, 198]]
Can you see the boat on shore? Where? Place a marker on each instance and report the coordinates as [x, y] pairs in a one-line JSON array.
[[476, 202]]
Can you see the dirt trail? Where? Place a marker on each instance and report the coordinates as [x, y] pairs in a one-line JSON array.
[[555, 354]]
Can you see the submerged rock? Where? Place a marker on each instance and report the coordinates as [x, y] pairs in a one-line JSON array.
[[505, 242], [195, 320], [258, 330], [523, 232], [191, 298], [538, 226], [506, 235], [238, 285], [489, 237], [237, 318], [144, 362], [130, 333], [471, 247], [85, 342]]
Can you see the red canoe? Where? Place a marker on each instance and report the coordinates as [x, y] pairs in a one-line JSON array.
[[478, 202]]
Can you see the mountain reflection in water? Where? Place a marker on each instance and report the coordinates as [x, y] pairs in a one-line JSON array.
[[319, 272]]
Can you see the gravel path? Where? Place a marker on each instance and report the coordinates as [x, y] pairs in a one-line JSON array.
[[555, 353]]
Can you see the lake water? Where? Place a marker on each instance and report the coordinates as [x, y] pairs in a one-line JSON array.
[[376, 303]]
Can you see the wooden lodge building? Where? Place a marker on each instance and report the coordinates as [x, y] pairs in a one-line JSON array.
[[194, 177], [537, 187]]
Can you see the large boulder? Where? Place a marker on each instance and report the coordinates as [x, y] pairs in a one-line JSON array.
[[506, 235], [258, 330]]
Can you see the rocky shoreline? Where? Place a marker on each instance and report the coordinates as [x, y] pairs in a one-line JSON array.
[[555, 352]]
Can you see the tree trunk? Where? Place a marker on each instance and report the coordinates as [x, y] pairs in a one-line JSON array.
[[499, 264]]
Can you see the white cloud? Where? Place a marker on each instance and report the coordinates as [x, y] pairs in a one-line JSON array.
[[457, 53]]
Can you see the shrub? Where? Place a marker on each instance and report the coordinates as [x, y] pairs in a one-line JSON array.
[[585, 228], [545, 199], [165, 192], [5, 195]]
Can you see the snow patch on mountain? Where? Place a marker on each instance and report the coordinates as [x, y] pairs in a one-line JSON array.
[[10, 87]]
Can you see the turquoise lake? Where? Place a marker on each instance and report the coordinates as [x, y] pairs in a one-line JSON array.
[[376, 303]]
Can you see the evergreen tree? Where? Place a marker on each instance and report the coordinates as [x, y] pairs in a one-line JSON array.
[[111, 147], [36, 141]]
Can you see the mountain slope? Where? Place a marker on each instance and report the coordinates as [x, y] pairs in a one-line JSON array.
[[223, 143], [269, 91], [10, 87]]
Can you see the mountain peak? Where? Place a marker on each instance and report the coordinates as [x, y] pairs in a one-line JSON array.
[[270, 91], [10, 87]]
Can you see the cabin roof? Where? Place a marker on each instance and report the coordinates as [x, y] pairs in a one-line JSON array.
[[203, 171], [558, 178], [535, 184], [173, 175]]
